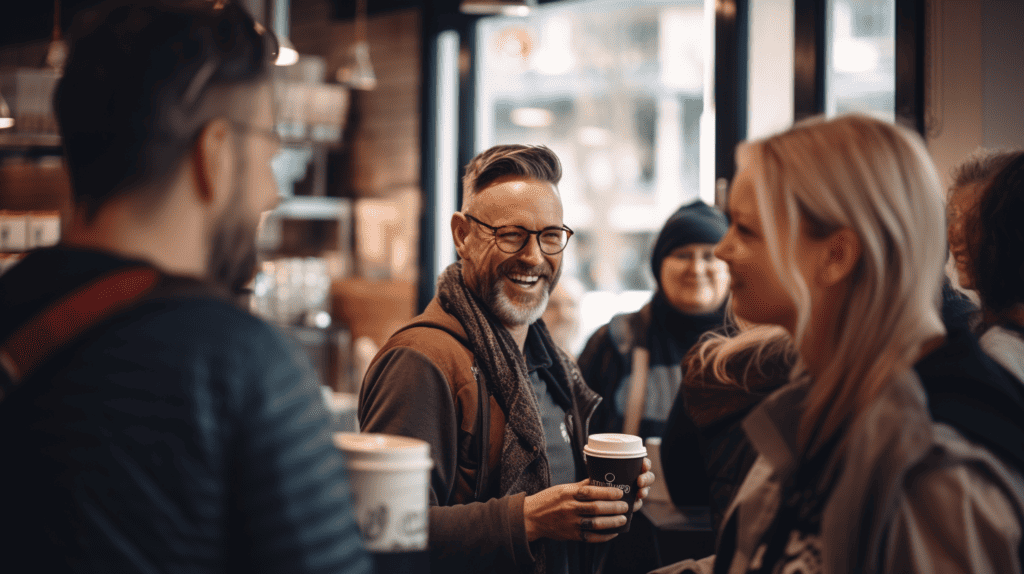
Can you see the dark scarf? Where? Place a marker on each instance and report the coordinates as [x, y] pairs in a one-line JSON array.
[[504, 369], [672, 333]]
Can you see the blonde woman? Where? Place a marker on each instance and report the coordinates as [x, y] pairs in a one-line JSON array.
[[837, 236]]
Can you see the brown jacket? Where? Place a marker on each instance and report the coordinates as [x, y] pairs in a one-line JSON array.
[[422, 384]]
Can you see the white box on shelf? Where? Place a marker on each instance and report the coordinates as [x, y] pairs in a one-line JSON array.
[[13, 231], [43, 229]]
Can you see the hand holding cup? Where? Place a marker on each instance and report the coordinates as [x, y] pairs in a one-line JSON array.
[[575, 511], [644, 482]]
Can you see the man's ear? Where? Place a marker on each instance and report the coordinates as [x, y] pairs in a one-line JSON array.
[[213, 156], [460, 232], [843, 251]]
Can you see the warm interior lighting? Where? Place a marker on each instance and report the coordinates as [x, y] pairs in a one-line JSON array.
[[361, 76], [286, 52], [6, 121], [57, 53], [358, 72], [519, 8]]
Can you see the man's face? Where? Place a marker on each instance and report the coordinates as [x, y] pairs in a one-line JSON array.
[[232, 260], [514, 286]]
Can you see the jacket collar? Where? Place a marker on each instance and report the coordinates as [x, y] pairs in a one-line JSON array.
[[772, 426]]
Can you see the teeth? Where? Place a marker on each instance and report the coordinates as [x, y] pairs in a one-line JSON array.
[[525, 278]]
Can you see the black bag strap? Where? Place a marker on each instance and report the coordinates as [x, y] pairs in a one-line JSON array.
[[65, 320]]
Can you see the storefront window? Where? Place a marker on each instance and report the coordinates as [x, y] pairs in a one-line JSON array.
[[861, 74], [617, 90]]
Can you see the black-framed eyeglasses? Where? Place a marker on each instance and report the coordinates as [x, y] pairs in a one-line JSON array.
[[513, 238]]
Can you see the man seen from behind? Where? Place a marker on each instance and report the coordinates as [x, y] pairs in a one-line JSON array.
[[173, 432]]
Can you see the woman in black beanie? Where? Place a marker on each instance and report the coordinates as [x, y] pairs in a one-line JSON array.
[[634, 360]]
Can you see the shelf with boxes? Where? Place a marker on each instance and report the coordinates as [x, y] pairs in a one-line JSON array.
[[22, 231]]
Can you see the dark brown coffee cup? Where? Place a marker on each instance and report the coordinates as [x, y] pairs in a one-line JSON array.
[[616, 460]]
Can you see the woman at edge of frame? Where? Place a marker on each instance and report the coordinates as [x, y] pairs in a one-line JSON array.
[[837, 236]]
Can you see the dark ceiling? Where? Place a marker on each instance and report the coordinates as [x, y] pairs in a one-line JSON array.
[[32, 20]]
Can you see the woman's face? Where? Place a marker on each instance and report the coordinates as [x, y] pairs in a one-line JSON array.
[[759, 294], [961, 202], [693, 280]]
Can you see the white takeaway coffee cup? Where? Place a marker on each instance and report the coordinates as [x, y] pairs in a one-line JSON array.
[[390, 478]]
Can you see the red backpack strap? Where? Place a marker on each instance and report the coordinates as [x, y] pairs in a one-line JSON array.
[[67, 318]]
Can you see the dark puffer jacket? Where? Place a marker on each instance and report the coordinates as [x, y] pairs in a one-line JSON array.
[[179, 436]]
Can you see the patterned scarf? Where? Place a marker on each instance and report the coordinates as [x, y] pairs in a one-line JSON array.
[[508, 380]]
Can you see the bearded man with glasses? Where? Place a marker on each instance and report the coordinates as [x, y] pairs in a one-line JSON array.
[[147, 423], [478, 377]]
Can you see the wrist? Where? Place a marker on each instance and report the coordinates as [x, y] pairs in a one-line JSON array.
[[529, 524]]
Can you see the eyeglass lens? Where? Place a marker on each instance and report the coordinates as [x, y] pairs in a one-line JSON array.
[[513, 239]]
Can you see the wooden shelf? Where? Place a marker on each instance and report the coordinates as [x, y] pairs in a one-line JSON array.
[[313, 207], [19, 141]]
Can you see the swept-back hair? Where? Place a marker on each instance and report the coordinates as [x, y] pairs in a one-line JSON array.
[[996, 240], [876, 179], [531, 161], [142, 78]]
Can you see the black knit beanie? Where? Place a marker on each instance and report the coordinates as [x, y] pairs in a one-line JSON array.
[[695, 222]]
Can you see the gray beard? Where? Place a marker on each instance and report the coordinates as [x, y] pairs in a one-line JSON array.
[[511, 314]]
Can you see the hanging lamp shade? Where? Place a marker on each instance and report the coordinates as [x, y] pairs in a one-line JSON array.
[[57, 52], [357, 73], [6, 120], [286, 52], [498, 7]]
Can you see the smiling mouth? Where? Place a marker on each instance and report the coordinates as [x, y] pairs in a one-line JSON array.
[[523, 280]]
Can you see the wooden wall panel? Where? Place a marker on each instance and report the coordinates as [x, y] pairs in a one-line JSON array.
[[383, 133]]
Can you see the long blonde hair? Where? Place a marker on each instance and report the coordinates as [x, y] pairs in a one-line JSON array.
[[876, 179], [737, 356]]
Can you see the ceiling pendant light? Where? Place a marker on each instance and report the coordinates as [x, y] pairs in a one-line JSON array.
[[6, 120], [519, 8], [286, 52], [57, 53], [358, 74]]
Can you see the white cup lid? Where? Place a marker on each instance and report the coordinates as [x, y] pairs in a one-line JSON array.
[[615, 445], [382, 448]]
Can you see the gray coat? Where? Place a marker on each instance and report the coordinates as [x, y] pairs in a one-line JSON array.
[[913, 495]]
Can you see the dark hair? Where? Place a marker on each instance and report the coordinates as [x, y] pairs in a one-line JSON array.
[[981, 166], [142, 78], [532, 161], [997, 240]]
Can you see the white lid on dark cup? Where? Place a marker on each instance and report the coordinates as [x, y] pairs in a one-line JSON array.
[[615, 445]]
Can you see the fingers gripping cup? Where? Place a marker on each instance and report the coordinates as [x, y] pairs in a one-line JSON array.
[[390, 477], [616, 460]]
